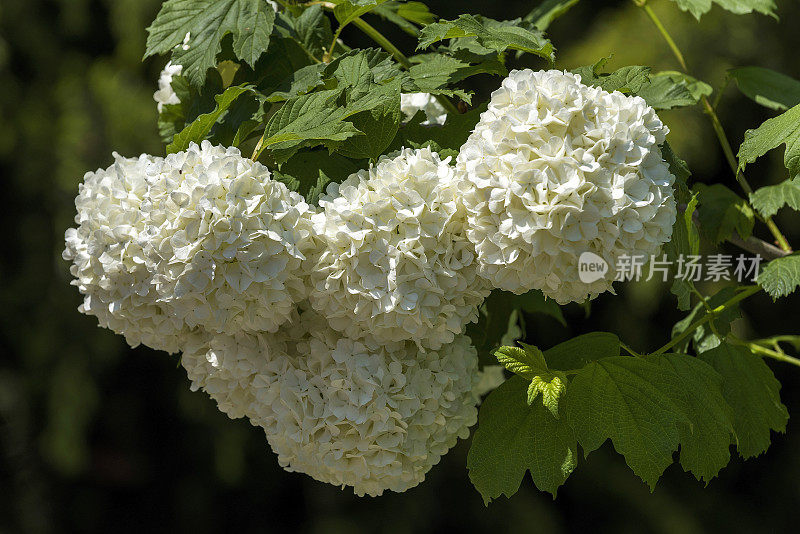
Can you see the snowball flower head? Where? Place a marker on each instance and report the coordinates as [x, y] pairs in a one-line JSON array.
[[108, 254], [202, 238], [556, 168], [411, 103], [371, 416], [396, 262], [165, 95]]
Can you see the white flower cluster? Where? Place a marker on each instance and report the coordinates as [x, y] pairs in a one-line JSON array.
[[348, 412], [166, 94], [397, 263], [201, 238], [340, 331], [364, 414], [411, 103], [556, 168]]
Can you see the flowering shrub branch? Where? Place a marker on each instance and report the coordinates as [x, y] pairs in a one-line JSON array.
[[347, 288]]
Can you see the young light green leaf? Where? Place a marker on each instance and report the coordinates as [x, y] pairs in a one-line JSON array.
[[196, 28], [781, 276], [513, 438], [783, 129], [199, 129], [766, 87], [769, 199], [722, 212], [752, 391], [547, 11], [489, 33], [552, 386], [740, 7], [705, 442], [629, 401], [526, 362], [579, 351]]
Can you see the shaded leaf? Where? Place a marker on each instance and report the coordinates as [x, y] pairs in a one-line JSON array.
[[513, 438], [783, 129], [722, 212], [740, 7], [753, 393], [766, 87]]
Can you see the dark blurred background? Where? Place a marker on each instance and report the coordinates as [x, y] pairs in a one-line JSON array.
[[95, 436]]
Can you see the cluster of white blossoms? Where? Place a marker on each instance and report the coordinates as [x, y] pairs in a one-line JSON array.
[[202, 238], [365, 414], [340, 330], [411, 103], [556, 168], [397, 263]]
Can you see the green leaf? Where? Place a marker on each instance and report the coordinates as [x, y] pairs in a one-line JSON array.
[[207, 22], [310, 171], [513, 438], [314, 30], [379, 126], [766, 87], [722, 212], [783, 129], [436, 72], [752, 391], [547, 11], [346, 11], [769, 199], [629, 401], [685, 242], [579, 351], [310, 119], [629, 80], [704, 337], [740, 7], [705, 441], [669, 90], [405, 15], [199, 129], [492, 34], [781, 276]]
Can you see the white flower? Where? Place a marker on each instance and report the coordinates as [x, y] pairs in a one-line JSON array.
[[165, 94], [225, 366], [371, 416], [396, 262], [108, 256], [554, 169], [201, 238], [410, 103]]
